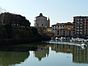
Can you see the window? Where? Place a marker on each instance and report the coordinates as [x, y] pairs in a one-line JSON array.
[[81, 19], [77, 27], [37, 24], [81, 24], [77, 21], [80, 32], [77, 32], [80, 27]]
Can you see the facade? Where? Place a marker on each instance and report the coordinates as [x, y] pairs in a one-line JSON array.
[[42, 24], [81, 26], [42, 21], [63, 29]]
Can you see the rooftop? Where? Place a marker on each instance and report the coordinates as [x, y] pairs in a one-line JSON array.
[[80, 17]]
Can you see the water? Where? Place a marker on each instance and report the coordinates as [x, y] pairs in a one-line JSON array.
[[43, 55]]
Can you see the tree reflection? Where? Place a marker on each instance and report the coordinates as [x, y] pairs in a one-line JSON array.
[[11, 58], [19, 53]]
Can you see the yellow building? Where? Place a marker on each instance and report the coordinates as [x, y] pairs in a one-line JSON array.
[[63, 29]]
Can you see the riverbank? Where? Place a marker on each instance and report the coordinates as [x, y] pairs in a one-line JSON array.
[[4, 42]]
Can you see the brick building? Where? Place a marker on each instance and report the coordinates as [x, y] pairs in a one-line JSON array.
[[63, 29], [80, 26]]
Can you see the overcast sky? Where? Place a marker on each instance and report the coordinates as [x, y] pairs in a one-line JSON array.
[[56, 10]]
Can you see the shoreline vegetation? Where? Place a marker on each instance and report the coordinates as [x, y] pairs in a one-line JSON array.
[[16, 29], [21, 41]]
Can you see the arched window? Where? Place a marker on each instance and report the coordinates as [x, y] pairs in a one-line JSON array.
[[42, 24]]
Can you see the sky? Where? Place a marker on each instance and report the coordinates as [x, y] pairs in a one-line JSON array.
[[57, 10]]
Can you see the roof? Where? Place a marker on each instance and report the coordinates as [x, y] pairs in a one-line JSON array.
[[80, 17], [41, 15]]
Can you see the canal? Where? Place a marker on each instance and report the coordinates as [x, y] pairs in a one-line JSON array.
[[40, 54]]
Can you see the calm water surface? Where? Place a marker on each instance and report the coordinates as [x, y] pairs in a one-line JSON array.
[[43, 55]]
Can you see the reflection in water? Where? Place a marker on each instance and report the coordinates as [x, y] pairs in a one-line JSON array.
[[11, 58], [41, 52], [13, 55], [17, 54], [79, 55]]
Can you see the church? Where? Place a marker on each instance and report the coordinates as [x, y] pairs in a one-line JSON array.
[[42, 21]]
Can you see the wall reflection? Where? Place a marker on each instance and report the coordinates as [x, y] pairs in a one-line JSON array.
[[79, 55], [17, 54]]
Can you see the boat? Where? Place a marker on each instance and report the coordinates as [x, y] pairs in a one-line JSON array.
[[78, 40], [82, 45]]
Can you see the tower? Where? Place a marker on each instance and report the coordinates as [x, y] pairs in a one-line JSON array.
[[42, 21], [48, 22]]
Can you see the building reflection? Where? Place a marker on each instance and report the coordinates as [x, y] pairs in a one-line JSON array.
[[62, 48], [41, 52], [17, 54], [79, 55]]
